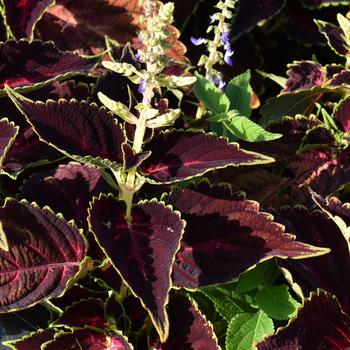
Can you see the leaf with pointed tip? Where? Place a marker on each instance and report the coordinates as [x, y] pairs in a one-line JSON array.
[[342, 114], [319, 324], [38, 64], [226, 235], [28, 151], [79, 130], [188, 326], [251, 12], [66, 189], [22, 15], [304, 75], [334, 38], [276, 302], [45, 254], [31, 341], [81, 339], [178, 155], [88, 312], [330, 272], [245, 329], [142, 251], [8, 133], [132, 159]]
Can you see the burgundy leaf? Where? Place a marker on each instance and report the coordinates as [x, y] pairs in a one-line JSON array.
[[8, 133], [334, 38], [74, 27], [22, 15], [342, 114], [319, 324], [319, 135], [226, 235], [251, 12], [66, 189], [131, 159], [77, 129], [32, 341], [45, 254], [89, 312], [38, 64], [330, 272], [28, 151], [135, 312], [179, 155], [86, 339], [142, 250], [340, 79], [304, 75], [188, 328]]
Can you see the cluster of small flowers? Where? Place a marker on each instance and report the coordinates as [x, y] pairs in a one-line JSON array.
[[157, 18], [221, 29]]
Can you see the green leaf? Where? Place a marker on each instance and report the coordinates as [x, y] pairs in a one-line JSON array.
[[239, 92], [276, 302], [226, 301], [281, 81], [214, 99], [345, 26], [244, 330], [245, 129], [263, 274]]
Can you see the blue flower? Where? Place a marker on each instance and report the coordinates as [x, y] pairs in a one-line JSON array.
[[197, 41], [142, 86], [218, 81], [225, 39]]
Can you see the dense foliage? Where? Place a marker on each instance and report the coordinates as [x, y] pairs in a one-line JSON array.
[[175, 183]]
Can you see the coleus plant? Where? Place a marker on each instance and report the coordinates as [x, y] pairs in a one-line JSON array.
[[126, 243]]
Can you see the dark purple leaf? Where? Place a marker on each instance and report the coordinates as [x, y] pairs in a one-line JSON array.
[[142, 251], [89, 312], [334, 38], [77, 129], [87, 339], [304, 75], [319, 324], [340, 79], [226, 235], [131, 159], [135, 312], [22, 15], [109, 277], [32, 341], [317, 136], [8, 133], [188, 328], [342, 114], [251, 12], [330, 272], [38, 64], [67, 189], [45, 253], [28, 151], [179, 155]]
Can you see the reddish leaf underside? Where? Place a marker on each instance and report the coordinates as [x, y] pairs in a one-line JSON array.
[[77, 129], [81, 339], [319, 324], [188, 326], [45, 252], [179, 155], [22, 15], [142, 251], [8, 133], [38, 64], [225, 235]]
